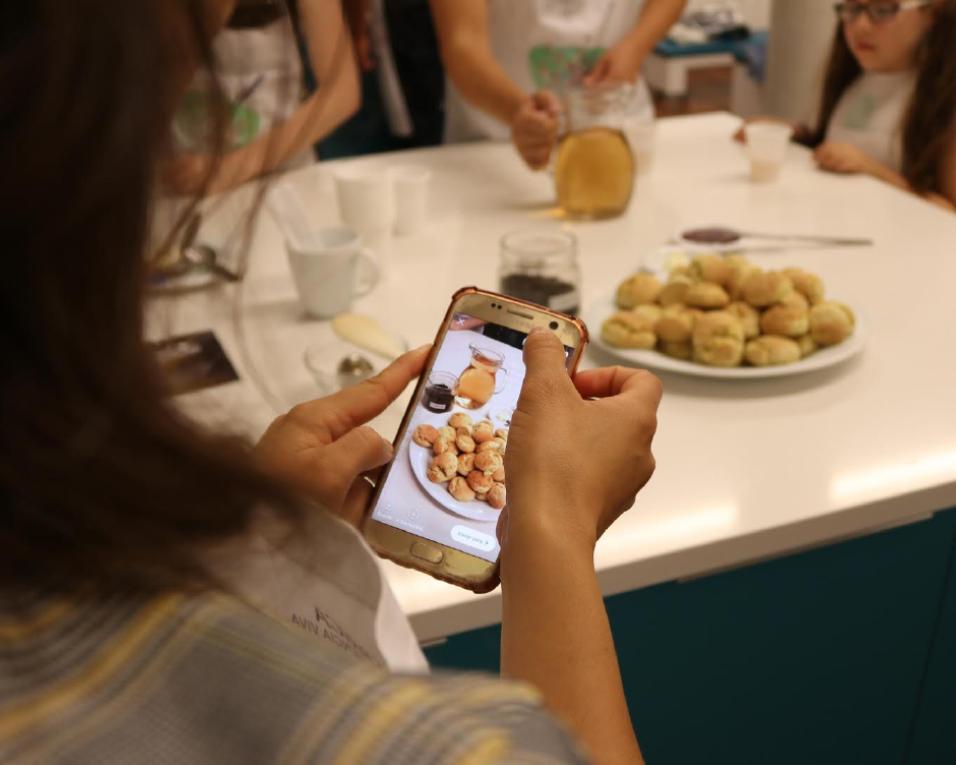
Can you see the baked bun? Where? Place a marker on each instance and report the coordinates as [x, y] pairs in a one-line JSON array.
[[718, 340], [466, 463], [683, 351], [807, 284], [460, 420], [831, 323], [676, 324], [465, 444], [479, 482], [747, 316], [448, 433], [499, 475], [771, 350], [443, 445], [502, 433], [442, 468], [495, 444], [484, 431], [464, 430], [794, 299], [628, 330], [764, 288], [711, 268], [488, 462], [790, 321], [638, 290], [425, 435], [706, 295], [807, 345], [650, 312], [458, 487], [740, 270], [675, 291], [497, 496]]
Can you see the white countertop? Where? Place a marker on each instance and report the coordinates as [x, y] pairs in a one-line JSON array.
[[746, 470]]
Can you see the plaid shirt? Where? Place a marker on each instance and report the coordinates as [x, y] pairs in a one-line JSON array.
[[206, 679]]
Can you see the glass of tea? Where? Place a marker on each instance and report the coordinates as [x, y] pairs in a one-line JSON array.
[[478, 382], [594, 166]]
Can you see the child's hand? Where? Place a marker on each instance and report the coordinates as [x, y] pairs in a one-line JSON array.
[[841, 158]]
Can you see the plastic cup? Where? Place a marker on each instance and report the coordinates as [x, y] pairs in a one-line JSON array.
[[410, 189], [767, 144]]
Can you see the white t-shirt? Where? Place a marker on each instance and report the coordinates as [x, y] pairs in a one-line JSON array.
[[515, 27], [870, 115]]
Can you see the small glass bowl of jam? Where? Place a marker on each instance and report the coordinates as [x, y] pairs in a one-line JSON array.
[[439, 393]]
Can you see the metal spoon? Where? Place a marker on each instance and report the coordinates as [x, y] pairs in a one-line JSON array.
[[723, 236]]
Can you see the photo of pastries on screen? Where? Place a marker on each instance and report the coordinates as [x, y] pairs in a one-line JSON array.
[[447, 482]]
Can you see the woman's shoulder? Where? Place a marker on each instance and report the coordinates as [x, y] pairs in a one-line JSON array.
[[207, 678]]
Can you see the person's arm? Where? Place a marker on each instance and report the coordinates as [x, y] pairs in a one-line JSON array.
[[337, 98], [623, 61], [574, 465]]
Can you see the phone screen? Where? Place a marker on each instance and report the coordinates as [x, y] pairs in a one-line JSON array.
[[472, 386]]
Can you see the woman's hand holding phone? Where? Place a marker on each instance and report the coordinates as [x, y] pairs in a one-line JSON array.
[[578, 453], [323, 447]]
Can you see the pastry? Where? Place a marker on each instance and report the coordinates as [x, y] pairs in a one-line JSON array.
[[458, 487], [740, 269], [464, 430], [831, 323], [448, 433], [718, 340], [502, 433], [807, 284], [443, 445], [442, 468], [488, 462], [497, 496], [682, 351], [676, 324], [770, 350], [748, 317], [790, 321], [675, 291], [650, 312], [807, 345], [466, 463], [425, 435], [479, 482], [460, 420], [465, 444], [711, 268], [764, 288], [628, 330], [495, 444], [706, 295], [484, 431], [499, 475], [638, 290]]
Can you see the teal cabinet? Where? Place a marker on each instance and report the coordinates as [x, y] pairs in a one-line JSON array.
[[828, 656]]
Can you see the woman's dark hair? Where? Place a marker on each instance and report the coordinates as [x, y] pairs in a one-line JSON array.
[[101, 480], [931, 115]]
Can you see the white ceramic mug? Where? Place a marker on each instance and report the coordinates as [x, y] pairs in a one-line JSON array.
[[328, 271]]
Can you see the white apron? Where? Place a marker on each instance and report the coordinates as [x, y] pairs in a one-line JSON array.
[[515, 27], [870, 116]]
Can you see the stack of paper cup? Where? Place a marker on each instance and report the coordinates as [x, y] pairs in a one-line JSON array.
[[767, 148]]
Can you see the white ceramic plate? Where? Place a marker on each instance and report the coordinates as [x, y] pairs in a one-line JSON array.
[[419, 457], [826, 357]]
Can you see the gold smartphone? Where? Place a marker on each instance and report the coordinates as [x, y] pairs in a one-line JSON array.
[[436, 507]]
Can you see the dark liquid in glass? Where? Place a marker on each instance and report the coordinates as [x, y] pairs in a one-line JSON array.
[[438, 398], [544, 290]]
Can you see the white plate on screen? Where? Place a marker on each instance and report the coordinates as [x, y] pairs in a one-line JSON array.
[[824, 358], [419, 457]]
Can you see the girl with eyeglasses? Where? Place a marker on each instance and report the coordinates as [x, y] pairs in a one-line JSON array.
[[888, 107]]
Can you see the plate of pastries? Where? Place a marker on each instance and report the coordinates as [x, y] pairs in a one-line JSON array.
[[722, 316], [459, 462]]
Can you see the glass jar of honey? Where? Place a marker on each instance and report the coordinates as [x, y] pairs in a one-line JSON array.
[[594, 166]]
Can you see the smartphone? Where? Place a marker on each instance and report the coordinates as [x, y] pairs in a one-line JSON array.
[[436, 507]]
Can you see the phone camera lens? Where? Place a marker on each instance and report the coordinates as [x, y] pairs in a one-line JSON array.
[[553, 325]]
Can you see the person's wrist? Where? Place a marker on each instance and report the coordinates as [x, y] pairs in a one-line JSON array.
[[542, 528]]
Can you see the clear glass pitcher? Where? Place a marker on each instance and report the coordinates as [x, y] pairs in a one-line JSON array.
[[594, 166]]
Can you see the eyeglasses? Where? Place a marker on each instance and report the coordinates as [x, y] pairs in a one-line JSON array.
[[878, 11]]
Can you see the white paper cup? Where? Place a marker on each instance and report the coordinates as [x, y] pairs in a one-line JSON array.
[[364, 197], [410, 188], [767, 144], [330, 270]]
